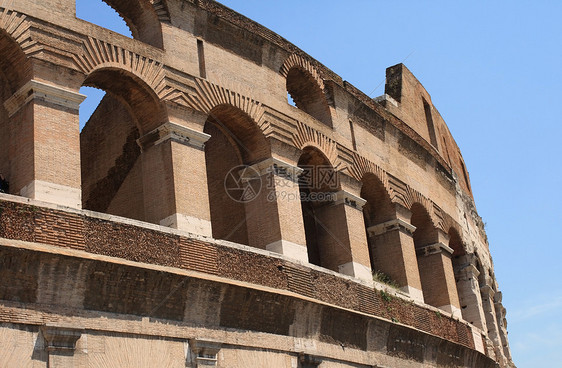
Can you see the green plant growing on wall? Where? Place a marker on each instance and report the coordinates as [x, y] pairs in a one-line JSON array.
[[383, 278], [386, 296]]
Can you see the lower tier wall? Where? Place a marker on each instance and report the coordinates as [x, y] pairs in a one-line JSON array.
[[125, 313]]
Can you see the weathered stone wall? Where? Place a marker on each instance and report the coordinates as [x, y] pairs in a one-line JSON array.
[[152, 154]]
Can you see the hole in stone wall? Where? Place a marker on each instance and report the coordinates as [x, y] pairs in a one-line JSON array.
[[290, 100], [101, 14]]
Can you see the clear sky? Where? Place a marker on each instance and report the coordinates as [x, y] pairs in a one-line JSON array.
[[494, 71]]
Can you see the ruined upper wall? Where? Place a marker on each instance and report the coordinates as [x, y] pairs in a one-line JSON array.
[[193, 60]]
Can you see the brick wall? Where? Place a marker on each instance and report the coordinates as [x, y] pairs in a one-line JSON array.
[[78, 231]]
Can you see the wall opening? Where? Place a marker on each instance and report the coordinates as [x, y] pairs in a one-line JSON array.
[[352, 132], [111, 169], [430, 270], [378, 209], [307, 95], [236, 142], [201, 57], [132, 18], [465, 174], [430, 125], [317, 184], [100, 13]]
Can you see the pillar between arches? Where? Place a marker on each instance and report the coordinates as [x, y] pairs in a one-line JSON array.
[[394, 251], [437, 276], [45, 143], [349, 237], [175, 178], [469, 295], [276, 222]]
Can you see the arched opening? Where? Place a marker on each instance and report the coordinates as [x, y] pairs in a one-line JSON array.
[[236, 142], [15, 158], [378, 209], [132, 18], [307, 95], [111, 171], [100, 13], [426, 235], [317, 185], [464, 279]]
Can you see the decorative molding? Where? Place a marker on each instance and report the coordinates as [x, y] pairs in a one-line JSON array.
[[46, 92], [307, 136], [204, 353], [296, 61], [277, 167], [309, 361], [362, 166], [350, 200], [396, 224], [176, 133], [17, 26], [436, 248], [99, 54], [60, 339], [412, 196], [209, 95]]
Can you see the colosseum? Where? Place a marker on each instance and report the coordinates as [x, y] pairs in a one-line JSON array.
[[203, 218]]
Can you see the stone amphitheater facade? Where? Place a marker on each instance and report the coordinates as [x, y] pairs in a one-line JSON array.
[[200, 219]]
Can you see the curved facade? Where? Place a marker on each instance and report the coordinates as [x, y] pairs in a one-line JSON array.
[[232, 202]]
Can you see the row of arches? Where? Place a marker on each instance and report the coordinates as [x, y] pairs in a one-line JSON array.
[[114, 179]]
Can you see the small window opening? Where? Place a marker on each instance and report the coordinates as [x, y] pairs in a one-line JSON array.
[[465, 177], [352, 130], [201, 55], [430, 125]]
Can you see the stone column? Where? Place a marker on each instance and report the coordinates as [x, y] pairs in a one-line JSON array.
[[274, 215], [394, 252], [345, 245], [45, 143], [488, 293], [502, 324], [175, 178], [469, 296], [437, 276]]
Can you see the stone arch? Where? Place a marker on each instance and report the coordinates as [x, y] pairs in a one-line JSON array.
[[306, 136], [210, 96], [139, 96], [15, 47], [111, 169], [317, 182], [378, 210], [236, 142], [100, 55], [306, 88], [427, 252], [143, 18], [425, 233]]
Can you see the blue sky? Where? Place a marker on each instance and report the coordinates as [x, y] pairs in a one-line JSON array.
[[494, 71]]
